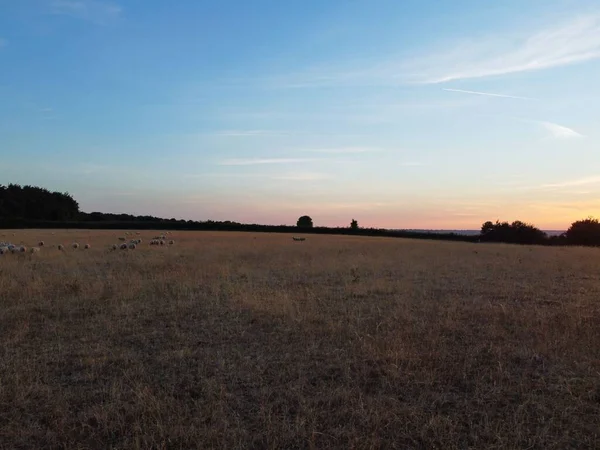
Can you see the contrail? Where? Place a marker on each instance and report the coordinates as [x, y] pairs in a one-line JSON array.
[[489, 94]]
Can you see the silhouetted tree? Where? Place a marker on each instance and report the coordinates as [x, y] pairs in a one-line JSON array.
[[354, 225], [34, 203], [584, 232], [304, 222], [517, 233]]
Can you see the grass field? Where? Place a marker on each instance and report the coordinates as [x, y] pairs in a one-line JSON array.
[[228, 340]]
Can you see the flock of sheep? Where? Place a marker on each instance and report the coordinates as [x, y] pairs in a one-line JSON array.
[[7, 247]]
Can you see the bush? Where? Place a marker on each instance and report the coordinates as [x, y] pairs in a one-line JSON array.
[[584, 232]]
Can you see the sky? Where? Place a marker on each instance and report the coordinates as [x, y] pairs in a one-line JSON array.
[[399, 114]]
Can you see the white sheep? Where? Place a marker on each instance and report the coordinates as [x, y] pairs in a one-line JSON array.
[[132, 246], [22, 249], [87, 246], [161, 242], [34, 249], [75, 245], [41, 244], [3, 250], [61, 247], [171, 242], [123, 246], [121, 238]]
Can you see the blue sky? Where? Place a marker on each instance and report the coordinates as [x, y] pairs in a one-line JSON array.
[[401, 114]]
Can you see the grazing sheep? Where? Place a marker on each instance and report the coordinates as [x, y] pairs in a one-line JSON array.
[[115, 246], [139, 241], [298, 238], [22, 249], [171, 242], [121, 238], [34, 249], [3, 250], [161, 242], [87, 246], [75, 245], [132, 246], [41, 244], [123, 246], [61, 247]]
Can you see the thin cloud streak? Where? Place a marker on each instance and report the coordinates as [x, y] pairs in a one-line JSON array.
[[259, 161], [585, 181], [571, 183], [247, 133], [302, 177], [560, 131], [489, 94], [573, 42], [343, 150], [99, 12]]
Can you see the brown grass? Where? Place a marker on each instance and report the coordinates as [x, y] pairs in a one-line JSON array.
[[232, 340]]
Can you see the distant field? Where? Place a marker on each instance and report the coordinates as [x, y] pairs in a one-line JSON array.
[[240, 340]]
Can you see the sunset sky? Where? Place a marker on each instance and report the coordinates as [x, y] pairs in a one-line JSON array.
[[401, 114]]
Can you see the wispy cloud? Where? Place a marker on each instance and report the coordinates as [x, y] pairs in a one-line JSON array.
[[259, 161], [489, 94], [343, 150], [412, 164], [560, 131], [571, 183], [584, 181], [573, 41], [247, 133], [302, 177], [100, 12]]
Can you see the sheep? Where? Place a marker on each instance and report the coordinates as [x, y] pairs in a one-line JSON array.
[[61, 247], [123, 246], [114, 246], [161, 242], [87, 246], [121, 238], [75, 245], [139, 241], [22, 249], [3, 250], [171, 242], [41, 244], [298, 238], [34, 249], [132, 246]]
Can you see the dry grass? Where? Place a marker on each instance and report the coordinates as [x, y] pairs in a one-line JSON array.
[[255, 341]]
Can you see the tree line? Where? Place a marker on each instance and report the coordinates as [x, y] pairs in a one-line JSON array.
[[35, 207]]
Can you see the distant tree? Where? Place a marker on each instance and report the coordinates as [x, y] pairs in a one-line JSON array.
[[354, 225], [517, 233], [304, 222], [584, 232]]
